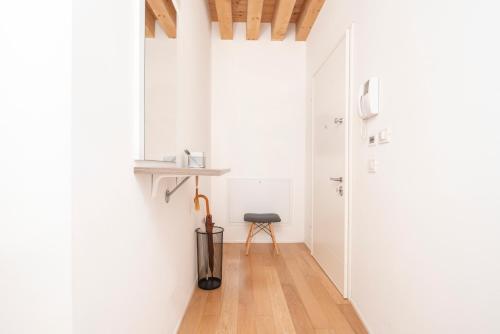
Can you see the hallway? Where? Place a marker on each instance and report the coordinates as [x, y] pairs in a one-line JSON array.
[[264, 293]]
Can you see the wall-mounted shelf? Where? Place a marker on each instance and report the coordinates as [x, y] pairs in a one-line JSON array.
[[167, 168], [160, 170]]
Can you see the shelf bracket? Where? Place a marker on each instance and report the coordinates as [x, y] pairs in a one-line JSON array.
[[155, 185], [169, 193]]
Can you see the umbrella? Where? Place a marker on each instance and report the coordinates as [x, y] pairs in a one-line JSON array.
[[208, 226]]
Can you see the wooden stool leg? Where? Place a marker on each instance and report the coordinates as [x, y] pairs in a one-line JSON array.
[[274, 239], [249, 237]]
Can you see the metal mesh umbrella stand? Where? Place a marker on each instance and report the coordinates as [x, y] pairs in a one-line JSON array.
[[209, 249]]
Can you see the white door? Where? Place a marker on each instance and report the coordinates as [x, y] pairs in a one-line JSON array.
[[330, 149]]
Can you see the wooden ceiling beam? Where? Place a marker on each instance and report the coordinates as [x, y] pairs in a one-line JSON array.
[[307, 18], [164, 11], [225, 16], [282, 13], [150, 22], [254, 17]]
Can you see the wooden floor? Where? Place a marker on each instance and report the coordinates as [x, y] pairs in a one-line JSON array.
[[267, 293]]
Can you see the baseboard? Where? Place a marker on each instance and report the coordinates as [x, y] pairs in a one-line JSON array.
[[308, 246], [186, 305], [355, 307]]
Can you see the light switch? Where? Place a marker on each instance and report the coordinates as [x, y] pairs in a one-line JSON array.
[[372, 166], [384, 136]]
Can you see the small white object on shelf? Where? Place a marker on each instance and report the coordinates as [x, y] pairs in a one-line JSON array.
[[196, 160]]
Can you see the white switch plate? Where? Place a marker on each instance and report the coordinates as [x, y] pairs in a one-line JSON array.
[[384, 136], [372, 166]]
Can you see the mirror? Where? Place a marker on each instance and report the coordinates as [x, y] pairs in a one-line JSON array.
[[160, 80]]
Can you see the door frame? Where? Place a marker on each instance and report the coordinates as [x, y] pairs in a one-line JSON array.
[[347, 36]]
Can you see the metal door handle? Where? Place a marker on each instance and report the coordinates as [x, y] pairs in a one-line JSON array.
[[336, 179]]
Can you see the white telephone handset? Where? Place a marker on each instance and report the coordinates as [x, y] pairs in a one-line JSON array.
[[368, 99]]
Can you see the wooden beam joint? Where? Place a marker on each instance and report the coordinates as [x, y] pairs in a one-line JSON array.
[[282, 13], [225, 16], [254, 18], [164, 11], [307, 18], [150, 22]]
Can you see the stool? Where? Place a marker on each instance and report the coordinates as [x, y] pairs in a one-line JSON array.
[[263, 221]]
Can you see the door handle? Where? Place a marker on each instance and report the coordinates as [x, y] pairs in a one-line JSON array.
[[336, 179]]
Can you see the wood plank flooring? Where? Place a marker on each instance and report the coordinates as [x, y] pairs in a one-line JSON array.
[[267, 293]]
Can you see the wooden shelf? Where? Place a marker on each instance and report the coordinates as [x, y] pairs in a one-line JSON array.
[[160, 170], [169, 169]]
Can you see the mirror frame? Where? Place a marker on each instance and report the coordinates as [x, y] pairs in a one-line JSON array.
[[140, 44]]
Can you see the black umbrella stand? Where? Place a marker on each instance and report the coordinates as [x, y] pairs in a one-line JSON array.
[[210, 272]]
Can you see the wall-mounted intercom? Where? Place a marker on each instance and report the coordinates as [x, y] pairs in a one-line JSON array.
[[368, 99]]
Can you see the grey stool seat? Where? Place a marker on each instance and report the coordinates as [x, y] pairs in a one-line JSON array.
[[263, 222], [262, 218]]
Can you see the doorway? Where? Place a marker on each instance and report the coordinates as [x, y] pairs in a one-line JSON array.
[[331, 161]]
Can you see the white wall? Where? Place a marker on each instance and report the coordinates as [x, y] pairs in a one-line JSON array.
[[425, 226], [160, 95], [133, 256], [258, 115], [35, 228]]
